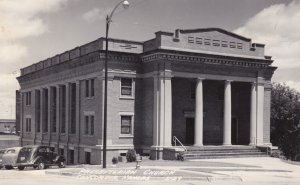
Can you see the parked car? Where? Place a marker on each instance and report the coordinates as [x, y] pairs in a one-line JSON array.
[[1, 153], [9, 157], [36, 156]]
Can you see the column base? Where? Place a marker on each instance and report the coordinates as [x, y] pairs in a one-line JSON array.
[[156, 153], [198, 145], [227, 144]]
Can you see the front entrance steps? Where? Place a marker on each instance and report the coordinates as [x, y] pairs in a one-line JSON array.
[[213, 152]]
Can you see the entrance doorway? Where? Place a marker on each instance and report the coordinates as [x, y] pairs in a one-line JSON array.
[[234, 131], [189, 131]]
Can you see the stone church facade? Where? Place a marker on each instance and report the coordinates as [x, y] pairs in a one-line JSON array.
[[203, 86]]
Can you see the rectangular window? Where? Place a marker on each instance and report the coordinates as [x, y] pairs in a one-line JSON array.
[[38, 110], [86, 130], [216, 43], [232, 45], [198, 40], [207, 42], [73, 87], [126, 125], [89, 125], [92, 125], [53, 108], [28, 98], [126, 86], [45, 110], [224, 44], [239, 45], [190, 39], [89, 88], [28, 125], [63, 109]]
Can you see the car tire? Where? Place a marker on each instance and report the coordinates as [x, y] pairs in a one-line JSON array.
[[62, 164], [21, 167], [41, 165], [8, 167]]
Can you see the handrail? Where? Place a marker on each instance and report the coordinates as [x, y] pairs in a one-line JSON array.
[[175, 139]]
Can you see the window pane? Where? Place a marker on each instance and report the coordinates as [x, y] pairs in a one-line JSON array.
[[86, 131], [86, 88], [92, 125], [126, 86], [126, 125], [92, 87]]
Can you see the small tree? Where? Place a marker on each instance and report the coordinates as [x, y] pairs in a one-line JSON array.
[[285, 119]]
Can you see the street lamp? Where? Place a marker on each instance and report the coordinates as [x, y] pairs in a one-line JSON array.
[[108, 20]]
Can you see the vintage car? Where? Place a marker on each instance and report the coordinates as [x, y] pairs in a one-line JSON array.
[[35, 156], [2, 151], [9, 157]]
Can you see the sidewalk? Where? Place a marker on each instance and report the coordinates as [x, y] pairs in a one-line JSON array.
[[261, 169]]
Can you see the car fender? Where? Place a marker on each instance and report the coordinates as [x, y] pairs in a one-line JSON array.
[[59, 159], [38, 159]]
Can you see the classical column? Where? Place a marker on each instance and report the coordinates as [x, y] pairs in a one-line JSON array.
[[165, 111], [155, 111], [260, 114], [227, 114], [253, 115], [199, 113]]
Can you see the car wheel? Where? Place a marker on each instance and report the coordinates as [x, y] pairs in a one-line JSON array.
[[41, 165], [8, 167], [21, 167], [62, 164]]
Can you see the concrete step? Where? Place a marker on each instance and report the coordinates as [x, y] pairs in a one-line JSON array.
[[209, 152], [221, 157], [222, 151]]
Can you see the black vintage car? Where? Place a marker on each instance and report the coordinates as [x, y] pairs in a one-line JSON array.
[[37, 156]]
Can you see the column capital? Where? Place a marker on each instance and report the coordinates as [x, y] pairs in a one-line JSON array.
[[228, 81], [200, 78]]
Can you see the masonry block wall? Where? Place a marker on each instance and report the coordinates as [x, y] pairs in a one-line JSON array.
[[181, 58]]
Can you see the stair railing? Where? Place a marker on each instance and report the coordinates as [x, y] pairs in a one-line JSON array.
[[175, 140]]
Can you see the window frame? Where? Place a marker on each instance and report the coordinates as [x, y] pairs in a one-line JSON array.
[[89, 89], [28, 98], [89, 127], [125, 96], [127, 114]]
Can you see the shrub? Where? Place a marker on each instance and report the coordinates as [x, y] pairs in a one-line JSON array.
[[131, 155], [114, 160], [180, 156]]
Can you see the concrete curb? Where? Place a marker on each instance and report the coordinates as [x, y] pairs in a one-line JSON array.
[[135, 178]]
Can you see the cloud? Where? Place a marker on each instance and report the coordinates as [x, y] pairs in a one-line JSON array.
[[19, 19], [94, 15], [7, 97], [294, 84], [278, 27], [12, 52]]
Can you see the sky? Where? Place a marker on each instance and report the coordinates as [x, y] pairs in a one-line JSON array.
[[34, 30]]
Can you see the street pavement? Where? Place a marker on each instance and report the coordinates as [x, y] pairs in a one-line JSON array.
[[233, 171]]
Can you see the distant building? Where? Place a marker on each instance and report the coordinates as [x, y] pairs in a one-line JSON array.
[[204, 86], [7, 126]]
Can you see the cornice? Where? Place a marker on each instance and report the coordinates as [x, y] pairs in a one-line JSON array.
[[204, 60]]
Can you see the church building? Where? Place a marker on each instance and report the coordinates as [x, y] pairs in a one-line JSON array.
[[201, 86]]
